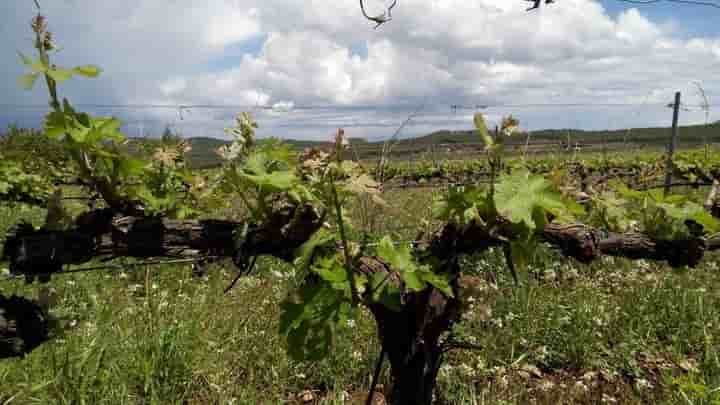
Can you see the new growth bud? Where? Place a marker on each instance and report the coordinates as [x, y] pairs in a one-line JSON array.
[[48, 44], [509, 125], [39, 24]]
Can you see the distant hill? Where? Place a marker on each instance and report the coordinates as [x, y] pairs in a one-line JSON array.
[[436, 145], [688, 134], [203, 153]]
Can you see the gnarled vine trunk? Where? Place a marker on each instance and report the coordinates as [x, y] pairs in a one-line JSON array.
[[412, 339]]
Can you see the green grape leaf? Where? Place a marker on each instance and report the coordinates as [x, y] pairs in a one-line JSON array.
[[83, 119], [79, 133], [276, 181], [103, 129], [304, 254], [460, 205], [59, 75], [610, 212], [416, 277], [18, 185], [131, 167], [87, 70], [300, 194], [694, 212], [385, 292], [55, 125], [28, 81], [438, 281], [527, 199], [412, 280], [255, 171], [310, 319], [109, 127], [256, 163], [401, 260], [398, 257], [331, 270], [709, 223]]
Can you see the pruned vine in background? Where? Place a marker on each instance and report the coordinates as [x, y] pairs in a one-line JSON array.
[[389, 144]]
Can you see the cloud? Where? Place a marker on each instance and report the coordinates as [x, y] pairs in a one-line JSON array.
[[302, 52]]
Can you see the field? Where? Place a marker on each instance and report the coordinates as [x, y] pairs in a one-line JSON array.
[[616, 331], [455, 145]]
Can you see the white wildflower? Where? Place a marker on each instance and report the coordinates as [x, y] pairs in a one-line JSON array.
[[546, 385], [581, 387], [642, 384]]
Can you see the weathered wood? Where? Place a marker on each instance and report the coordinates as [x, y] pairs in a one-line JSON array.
[[411, 336], [579, 241], [34, 252], [40, 252]]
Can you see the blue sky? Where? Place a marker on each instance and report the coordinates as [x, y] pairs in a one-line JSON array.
[[691, 20], [247, 53]]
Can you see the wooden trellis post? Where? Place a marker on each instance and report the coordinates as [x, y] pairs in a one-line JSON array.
[[672, 144]]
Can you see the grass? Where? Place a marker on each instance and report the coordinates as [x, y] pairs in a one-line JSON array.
[[612, 332]]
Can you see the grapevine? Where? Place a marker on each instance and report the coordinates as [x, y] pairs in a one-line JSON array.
[[297, 212]]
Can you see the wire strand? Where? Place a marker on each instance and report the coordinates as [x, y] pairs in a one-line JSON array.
[[452, 107]]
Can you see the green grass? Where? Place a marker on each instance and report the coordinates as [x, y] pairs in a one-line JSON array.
[[629, 332]]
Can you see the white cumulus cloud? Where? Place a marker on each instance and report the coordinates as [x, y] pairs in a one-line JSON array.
[[274, 52]]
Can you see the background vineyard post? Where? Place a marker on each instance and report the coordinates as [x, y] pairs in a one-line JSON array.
[[672, 143]]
